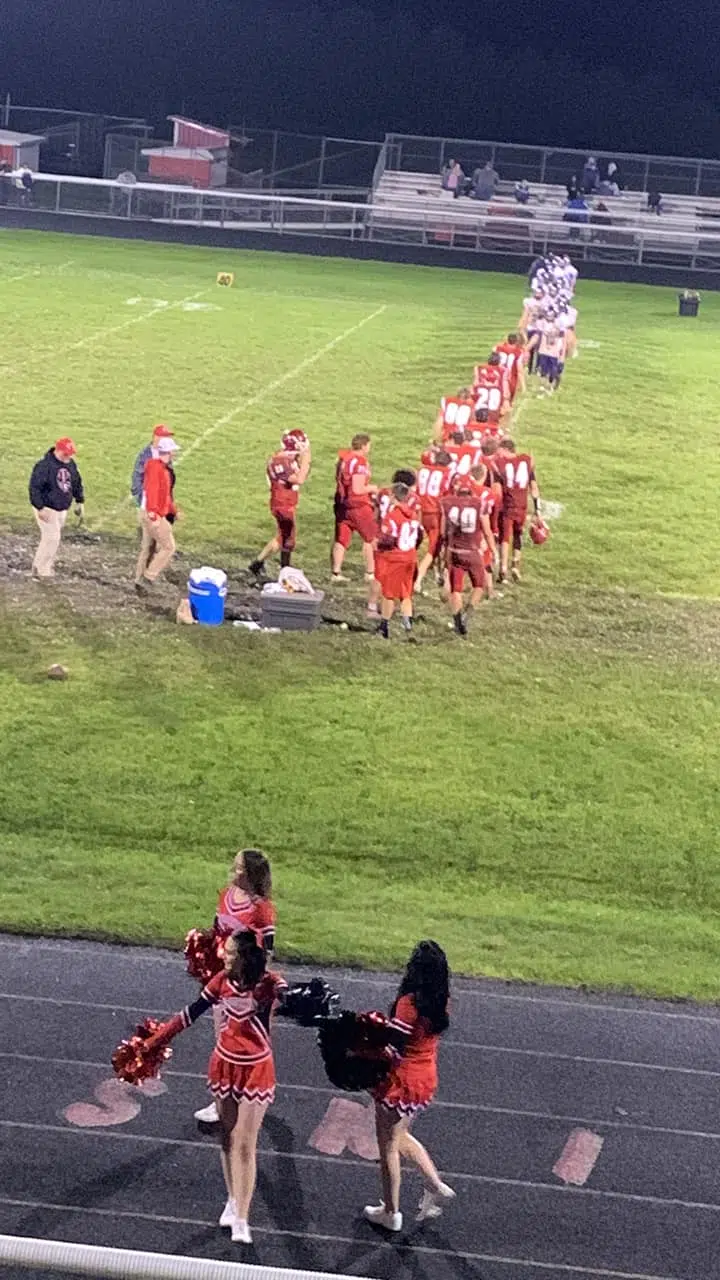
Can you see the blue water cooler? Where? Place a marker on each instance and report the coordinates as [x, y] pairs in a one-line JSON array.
[[207, 589]]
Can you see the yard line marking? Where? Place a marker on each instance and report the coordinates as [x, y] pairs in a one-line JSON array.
[[147, 315], [98, 335], [269, 1153], [8, 1242], [37, 271], [291, 374], [578, 1157], [483, 1108]]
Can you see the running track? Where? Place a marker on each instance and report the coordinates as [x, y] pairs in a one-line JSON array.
[[522, 1071]]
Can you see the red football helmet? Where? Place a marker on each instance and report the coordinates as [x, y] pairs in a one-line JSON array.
[[539, 532], [294, 441]]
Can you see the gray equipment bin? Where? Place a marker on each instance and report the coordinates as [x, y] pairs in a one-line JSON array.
[[291, 611]]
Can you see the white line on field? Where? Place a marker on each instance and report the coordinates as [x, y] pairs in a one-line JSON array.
[[36, 271], [291, 374], [148, 315], [98, 335]]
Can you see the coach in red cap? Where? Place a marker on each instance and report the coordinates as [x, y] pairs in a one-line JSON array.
[[54, 484]]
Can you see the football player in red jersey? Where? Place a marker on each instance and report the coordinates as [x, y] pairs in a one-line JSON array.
[[433, 482], [512, 359], [287, 472], [491, 388], [383, 500], [469, 542], [464, 450], [354, 510], [454, 414], [398, 542], [516, 474]]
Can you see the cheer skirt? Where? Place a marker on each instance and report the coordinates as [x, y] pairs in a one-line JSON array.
[[248, 1082]]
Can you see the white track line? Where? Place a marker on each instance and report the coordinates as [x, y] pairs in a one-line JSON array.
[[482, 1108], [381, 1245], [508, 1050], [306, 1157], [580, 1004], [243, 405]]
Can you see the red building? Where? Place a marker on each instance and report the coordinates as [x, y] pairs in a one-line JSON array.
[[198, 156]]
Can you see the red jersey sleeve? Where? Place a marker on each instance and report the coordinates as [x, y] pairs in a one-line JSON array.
[[405, 1016], [265, 917], [213, 989]]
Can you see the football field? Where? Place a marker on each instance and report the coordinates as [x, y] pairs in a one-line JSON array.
[[542, 798]]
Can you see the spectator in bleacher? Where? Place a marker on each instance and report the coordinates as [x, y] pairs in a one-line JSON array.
[[522, 192], [572, 187], [607, 187], [576, 211], [654, 203], [456, 179], [600, 216], [591, 175], [484, 182], [614, 175], [447, 169]]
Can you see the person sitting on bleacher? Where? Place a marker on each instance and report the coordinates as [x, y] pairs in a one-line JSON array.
[[607, 187], [591, 175], [576, 210], [484, 182], [522, 192], [456, 180]]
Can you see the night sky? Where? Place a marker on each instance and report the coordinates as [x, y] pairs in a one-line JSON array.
[[613, 75]]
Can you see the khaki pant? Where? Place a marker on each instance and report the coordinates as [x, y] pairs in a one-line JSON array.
[[156, 549], [50, 534]]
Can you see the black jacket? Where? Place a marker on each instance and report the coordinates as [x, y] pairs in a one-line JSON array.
[[55, 484]]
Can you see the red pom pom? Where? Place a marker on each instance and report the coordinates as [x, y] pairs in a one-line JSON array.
[[135, 1060], [204, 954]]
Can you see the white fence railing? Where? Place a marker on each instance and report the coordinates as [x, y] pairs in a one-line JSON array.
[[464, 225]]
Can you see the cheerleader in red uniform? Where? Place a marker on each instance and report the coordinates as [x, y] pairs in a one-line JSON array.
[[419, 1016], [246, 903], [241, 1073]]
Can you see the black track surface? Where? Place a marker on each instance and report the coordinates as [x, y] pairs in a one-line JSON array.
[[520, 1069]]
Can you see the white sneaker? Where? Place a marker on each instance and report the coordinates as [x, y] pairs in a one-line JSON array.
[[379, 1216], [240, 1232], [228, 1215], [433, 1202], [208, 1115]]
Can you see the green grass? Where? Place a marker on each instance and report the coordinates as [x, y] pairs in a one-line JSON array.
[[541, 799]]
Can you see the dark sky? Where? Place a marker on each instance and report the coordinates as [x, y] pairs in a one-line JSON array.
[[601, 73]]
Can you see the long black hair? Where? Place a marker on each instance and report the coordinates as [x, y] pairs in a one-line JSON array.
[[427, 980], [251, 961]]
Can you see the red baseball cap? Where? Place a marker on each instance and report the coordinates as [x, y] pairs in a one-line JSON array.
[[66, 445], [161, 432]]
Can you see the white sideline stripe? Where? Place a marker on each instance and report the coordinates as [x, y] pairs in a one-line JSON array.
[[483, 1108], [251, 401], [378, 1244], [268, 1153]]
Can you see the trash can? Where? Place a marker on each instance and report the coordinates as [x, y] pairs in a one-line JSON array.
[[688, 304], [207, 589], [291, 611]]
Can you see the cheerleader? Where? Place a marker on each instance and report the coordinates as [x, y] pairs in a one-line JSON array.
[[246, 903], [419, 1016], [241, 1073]]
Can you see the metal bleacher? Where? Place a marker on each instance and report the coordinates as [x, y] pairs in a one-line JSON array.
[[412, 203]]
